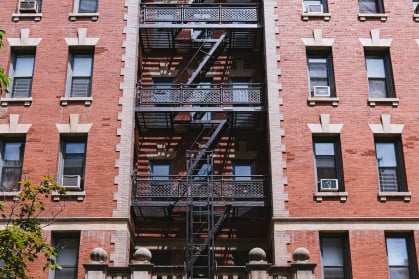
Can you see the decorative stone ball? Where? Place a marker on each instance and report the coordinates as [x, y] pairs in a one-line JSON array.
[[142, 254], [301, 254], [257, 254], [98, 255]]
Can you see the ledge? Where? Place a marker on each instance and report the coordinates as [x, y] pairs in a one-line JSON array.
[[34, 16], [364, 17], [307, 16], [393, 101], [382, 196], [26, 101], [75, 16], [334, 101], [11, 195], [65, 100], [343, 196], [70, 194]]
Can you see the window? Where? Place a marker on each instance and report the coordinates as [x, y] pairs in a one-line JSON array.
[[379, 73], [22, 73], [320, 72], [328, 163], [371, 6], [80, 74], [390, 164], [67, 246], [334, 251], [160, 176], [73, 158], [243, 171], [319, 6], [162, 90], [30, 6], [241, 89], [401, 256], [160, 170], [11, 164], [86, 6], [416, 6]]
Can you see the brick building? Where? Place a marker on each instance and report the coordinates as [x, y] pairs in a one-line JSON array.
[[200, 130]]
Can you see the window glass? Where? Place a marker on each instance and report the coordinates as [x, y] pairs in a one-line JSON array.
[[88, 6], [243, 171], [11, 166], [12, 151], [325, 148], [160, 171], [368, 6], [375, 67], [386, 155], [67, 258], [397, 251], [335, 264], [24, 66], [82, 65]]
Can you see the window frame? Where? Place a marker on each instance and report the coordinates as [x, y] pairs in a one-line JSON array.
[[344, 249], [324, 4], [63, 154], [251, 164], [77, 8], [383, 55], [321, 54], [410, 251], [400, 168], [154, 163], [79, 53], [378, 5], [16, 54], [3, 143], [337, 159], [59, 236]]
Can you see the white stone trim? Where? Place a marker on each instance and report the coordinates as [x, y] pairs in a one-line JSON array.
[[325, 127], [24, 39], [386, 127], [13, 127], [82, 39], [74, 126], [375, 40], [318, 40]]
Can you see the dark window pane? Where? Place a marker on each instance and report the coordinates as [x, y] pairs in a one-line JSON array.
[[377, 88], [10, 178], [368, 6], [399, 273]]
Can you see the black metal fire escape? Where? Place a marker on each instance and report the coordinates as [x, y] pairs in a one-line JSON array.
[[204, 216]]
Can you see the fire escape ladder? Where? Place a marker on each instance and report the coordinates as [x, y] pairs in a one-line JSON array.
[[209, 58]]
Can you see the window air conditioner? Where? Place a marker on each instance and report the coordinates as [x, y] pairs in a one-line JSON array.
[[321, 91], [71, 182], [28, 6], [329, 185], [314, 8]]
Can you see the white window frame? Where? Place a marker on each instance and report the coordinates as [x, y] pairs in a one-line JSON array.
[[75, 54], [14, 76]]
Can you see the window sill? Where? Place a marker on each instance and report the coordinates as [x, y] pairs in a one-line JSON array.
[[307, 16], [75, 16], [393, 101], [382, 196], [319, 196], [65, 100], [11, 195], [19, 16], [416, 17], [79, 195], [332, 100], [364, 17], [26, 101]]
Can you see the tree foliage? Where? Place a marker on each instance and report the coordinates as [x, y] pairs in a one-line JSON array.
[[4, 79], [21, 239]]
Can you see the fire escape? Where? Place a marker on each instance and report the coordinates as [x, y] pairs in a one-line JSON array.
[[207, 200]]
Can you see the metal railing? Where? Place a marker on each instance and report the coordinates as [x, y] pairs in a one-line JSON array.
[[211, 13], [237, 187], [178, 94]]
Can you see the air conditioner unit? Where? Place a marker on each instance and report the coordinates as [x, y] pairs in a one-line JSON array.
[[28, 6], [314, 8], [329, 185], [71, 182], [321, 91]]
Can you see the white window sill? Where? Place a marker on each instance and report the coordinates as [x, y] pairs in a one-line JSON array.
[[364, 17], [319, 196], [79, 195], [382, 196], [34, 16], [65, 100], [416, 17], [332, 100], [393, 101], [14, 195], [307, 16], [26, 101], [75, 16]]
